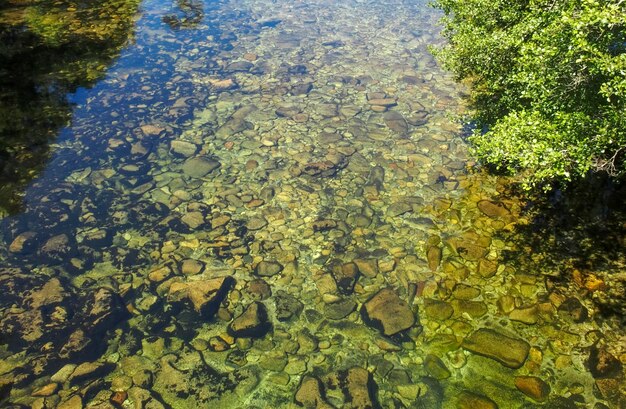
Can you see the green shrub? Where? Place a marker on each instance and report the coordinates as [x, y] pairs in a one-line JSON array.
[[548, 82]]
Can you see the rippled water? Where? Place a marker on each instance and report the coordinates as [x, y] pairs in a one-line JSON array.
[[271, 204]]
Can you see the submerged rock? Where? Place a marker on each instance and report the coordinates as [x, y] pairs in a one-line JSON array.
[[510, 352], [602, 363], [200, 166], [287, 306], [340, 309], [493, 209], [58, 249], [204, 295], [358, 387], [532, 386], [310, 394], [470, 400], [345, 276], [387, 312], [102, 309], [268, 268], [252, 323], [396, 122]]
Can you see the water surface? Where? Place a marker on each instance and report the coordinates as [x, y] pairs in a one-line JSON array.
[[271, 204]]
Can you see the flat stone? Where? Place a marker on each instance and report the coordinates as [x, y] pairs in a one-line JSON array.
[[532, 386], [193, 220], [387, 312], [75, 402], [268, 268], [191, 267], [46, 390], [510, 352], [63, 374], [433, 256], [223, 84], [493, 209], [200, 166], [465, 292], [383, 102], [367, 267], [90, 370], [396, 122], [24, 243], [240, 66], [528, 315], [438, 310], [252, 323], [256, 223], [474, 309], [398, 209], [435, 367], [340, 309], [152, 129], [183, 148]]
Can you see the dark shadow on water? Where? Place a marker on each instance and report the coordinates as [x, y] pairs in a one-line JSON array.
[[576, 234], [48, 49]]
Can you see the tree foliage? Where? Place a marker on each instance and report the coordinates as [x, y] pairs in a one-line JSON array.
[[548, 82]]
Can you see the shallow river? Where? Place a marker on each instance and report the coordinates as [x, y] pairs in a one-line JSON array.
[[251, 204]]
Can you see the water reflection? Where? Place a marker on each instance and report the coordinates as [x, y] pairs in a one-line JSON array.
[[47, 51]]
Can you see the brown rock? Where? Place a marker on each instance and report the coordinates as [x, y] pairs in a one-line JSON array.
[[358, 385], [493, 209], [533, 387], [191, 267], [388, 313], [396, 122], [24, 243], [433, 255], [204, 295], [268, 268], [119, 397], [152, 129], [183, 148], [58, 249], [253, 323], [383, 102], [469, 400], [310, 394], [368, 267], [75, 402], [345, 276], [602, 364], [437, 310], [510, 352], [46, 390], [90, 370]]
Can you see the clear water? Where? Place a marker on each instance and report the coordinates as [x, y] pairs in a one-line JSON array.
[[271, 204]]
